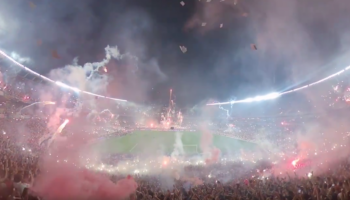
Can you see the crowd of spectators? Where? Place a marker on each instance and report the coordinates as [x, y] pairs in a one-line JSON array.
[[20, 154], [19, 167], [217, 181], [333, 185]]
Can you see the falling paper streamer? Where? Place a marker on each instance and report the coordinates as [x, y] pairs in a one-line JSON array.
[[36, 103], [253, 46], [55, 54], [183, 49], [221, 25], [182, 3]]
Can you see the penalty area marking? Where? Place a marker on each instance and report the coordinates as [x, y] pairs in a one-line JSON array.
[[133, 147]]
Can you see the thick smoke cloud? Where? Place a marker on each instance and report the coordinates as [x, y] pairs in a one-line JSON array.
[[296, 40], [87, 77], [178, 146], [52, 34], [62, 171]]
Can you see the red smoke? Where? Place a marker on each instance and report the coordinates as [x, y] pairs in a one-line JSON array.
[[67, 179], [215, 154], [68, 182], [212, 154]]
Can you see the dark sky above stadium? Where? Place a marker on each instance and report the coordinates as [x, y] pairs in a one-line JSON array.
[[297, 41]]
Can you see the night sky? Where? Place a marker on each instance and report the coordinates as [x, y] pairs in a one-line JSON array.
[[296, 42]]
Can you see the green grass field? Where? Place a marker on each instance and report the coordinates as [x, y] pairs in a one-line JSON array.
[[163, 141]]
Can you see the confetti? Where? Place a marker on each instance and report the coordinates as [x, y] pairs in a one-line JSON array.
[[182, 3], [221, 25], [253, 46], [203, 24], [183, 49], [55, 54]]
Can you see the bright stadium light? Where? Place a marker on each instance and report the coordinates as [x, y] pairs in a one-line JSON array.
[[275, 95], [56, 82], [67, 86]]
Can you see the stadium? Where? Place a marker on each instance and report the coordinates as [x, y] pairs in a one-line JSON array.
[[162, 146], [217, 104], [165, 145]]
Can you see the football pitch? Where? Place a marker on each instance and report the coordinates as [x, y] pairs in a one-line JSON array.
[[140, 142]]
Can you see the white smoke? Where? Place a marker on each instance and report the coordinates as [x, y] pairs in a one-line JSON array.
[[178, 146], [20, 59], [87, 76]]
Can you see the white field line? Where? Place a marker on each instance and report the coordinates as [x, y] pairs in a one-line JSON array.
[[133, 147]]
